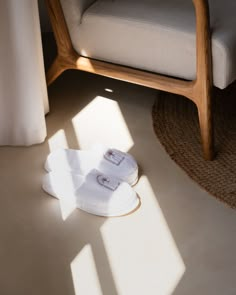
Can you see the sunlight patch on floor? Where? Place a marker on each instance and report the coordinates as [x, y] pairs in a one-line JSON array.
[[58, 140], [109, 90], [101, 121], [142, 244], [84, 274], [67, 207]]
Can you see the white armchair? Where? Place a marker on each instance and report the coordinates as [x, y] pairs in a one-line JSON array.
[[147, 42]]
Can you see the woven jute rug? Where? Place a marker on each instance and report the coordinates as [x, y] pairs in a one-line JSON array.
[[176, 125]]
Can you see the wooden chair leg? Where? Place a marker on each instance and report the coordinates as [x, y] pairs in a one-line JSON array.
[[206, 125], [204, 82], [55, 70]]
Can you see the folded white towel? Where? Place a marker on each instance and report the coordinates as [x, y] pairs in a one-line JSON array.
[[109, 161], [94, 193]]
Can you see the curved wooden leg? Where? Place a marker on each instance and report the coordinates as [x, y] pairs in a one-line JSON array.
[[206, 125], [55, 70]]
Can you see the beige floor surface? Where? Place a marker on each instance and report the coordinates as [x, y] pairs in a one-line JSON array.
[[181, 241]]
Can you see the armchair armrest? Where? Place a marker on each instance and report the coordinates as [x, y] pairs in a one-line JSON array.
[[62, 13], [73, 10]]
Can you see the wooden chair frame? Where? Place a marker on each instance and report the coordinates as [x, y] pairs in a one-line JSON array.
[[199, 90]]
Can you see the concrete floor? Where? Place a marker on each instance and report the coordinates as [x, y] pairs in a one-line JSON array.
[[181, 241]]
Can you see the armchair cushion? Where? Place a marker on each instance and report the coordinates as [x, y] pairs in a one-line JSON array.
[[73, 11], [156, 35]]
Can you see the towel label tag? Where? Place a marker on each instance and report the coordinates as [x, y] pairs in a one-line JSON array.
[[107, 182], [114, 157]]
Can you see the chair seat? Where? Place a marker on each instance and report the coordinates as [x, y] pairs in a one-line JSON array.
[[157, 35]]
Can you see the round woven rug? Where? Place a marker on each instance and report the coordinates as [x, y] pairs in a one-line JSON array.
[[176, 125]]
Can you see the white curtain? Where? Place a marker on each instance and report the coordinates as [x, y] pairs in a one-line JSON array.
[[23, 92]]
